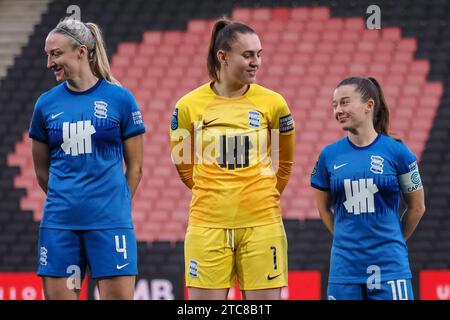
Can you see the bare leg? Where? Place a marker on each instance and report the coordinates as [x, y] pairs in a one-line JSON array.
[[57, 289], [207, 294], [263, 294], [116, 288]]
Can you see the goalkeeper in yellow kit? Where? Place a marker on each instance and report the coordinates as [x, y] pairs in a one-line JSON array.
[[233, 144]]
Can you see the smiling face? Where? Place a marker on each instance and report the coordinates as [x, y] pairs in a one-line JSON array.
[[241, 63], [63, 57], [349, 110]]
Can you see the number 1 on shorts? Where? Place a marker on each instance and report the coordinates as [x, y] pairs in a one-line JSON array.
[[274, 250]]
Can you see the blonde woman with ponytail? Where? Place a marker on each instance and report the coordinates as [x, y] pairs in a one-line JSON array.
[[359, 181], [82, 131]]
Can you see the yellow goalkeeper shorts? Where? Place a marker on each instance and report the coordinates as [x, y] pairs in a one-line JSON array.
[[256, 255]]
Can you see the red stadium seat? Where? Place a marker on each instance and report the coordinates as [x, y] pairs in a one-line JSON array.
[[264, 14], [421, 67], [320, 13], [407, 45], [152, 37], [281, 15], [433, 89], [391, 34], [127, 48], [197, 26], [354, 24], [299, 14], [334, 25], [315, 26], [367, 46]]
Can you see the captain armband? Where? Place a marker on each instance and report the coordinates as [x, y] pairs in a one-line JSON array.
[[410, 181]]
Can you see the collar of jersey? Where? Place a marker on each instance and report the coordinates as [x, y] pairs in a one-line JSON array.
[[365, 147], [83, 92], [248, 92]]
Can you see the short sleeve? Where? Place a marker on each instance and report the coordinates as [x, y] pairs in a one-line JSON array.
[[405, 160], [282, 118], [38, 129], [132, 120], [320, 177]]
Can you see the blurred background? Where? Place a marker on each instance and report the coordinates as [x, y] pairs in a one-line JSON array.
[[158, 51]]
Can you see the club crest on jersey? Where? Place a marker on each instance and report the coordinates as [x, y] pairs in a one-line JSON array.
[[174, 122], [100, 109], [253, 119], [376, 164]]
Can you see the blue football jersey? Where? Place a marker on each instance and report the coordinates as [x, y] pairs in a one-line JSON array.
[[87, 188], [366, 185]]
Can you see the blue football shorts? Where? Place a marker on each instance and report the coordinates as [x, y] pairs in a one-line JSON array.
[[400, 289], [107, 252]]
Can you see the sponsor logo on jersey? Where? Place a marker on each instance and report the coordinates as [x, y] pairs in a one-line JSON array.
[[376, 164], [137, 117], [254, 119], [337, 166], [412, 166], [77, 137], [207, 123], [286, 123], [54, 116], [359, 196], [100, 109]]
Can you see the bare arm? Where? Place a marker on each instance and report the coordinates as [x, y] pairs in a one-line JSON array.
[[323, 201], [416, 208], [41, 161], [134, 154], [286, 160]]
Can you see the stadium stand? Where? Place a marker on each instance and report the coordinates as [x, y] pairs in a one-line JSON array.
[[158, 51]]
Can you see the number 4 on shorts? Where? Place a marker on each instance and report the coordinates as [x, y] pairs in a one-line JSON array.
[[122, 249]]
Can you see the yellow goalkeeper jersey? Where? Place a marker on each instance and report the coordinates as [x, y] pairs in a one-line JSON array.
[[229, 141]]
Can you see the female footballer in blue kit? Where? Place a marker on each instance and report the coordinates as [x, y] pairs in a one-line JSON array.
[[362, 178], [82, 130]]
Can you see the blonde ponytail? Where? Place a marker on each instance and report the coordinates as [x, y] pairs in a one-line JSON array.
[[88, 34], [98, 58]]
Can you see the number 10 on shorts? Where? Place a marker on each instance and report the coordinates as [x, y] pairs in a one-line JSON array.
[[122, 249]]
